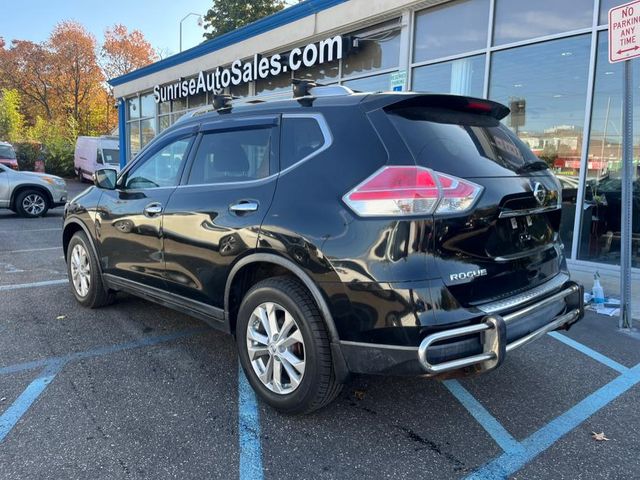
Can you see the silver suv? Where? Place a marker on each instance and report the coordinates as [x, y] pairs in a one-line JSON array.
[[30, 194]]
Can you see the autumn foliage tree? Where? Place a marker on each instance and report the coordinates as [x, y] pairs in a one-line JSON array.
[[124, 51], [60, 84]]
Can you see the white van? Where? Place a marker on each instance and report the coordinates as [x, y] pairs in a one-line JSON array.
[[94, 153]]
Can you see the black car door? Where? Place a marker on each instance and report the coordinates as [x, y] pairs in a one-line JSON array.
[[214, 216], [129, 218]]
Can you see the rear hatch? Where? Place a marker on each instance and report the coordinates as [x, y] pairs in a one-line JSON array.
[[508, 242]]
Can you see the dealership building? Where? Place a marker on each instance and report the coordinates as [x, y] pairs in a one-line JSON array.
[[545, 59]]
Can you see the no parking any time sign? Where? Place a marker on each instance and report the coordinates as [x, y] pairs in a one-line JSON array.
[[624, 32]]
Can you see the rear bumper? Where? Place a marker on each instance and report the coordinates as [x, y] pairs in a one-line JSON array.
[[475, 348]]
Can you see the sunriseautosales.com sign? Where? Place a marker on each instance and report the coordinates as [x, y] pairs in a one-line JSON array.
[[258, 67]]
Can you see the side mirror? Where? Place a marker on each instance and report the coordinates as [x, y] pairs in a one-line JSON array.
[[105, 178]]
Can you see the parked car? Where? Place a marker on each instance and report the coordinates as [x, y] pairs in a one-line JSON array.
[[94, 153], [8, 156], [372, 233], [30, 194]]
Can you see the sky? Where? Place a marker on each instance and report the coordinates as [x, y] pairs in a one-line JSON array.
[[158, 21]]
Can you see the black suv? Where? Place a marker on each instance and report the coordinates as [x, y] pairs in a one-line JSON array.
[[337, 232]]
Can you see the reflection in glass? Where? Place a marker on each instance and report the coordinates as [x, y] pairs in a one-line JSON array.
[[377, 50], [198, 100], [133, 106], [164, 107], [434, 37], [522, 19], [147, 130], [600, 240], [376, 83], [148, 106], [545, 85], [164, 122], [178, 104], [241, 90], [134, 138], [605, 6], [272, 85], [324, 73], [464, 76]]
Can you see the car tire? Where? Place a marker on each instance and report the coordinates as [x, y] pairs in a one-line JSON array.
[[316, 385], [31, 204], [84, 275]]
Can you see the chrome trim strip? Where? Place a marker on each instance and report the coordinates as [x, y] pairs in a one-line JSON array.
[[525, 253], [515, 300], [528, 211]]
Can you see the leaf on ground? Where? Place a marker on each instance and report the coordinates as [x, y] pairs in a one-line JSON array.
[[359, 394], [599, 437], [61, 317]]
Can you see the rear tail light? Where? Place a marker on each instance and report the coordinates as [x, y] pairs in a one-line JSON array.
[[410, 190]]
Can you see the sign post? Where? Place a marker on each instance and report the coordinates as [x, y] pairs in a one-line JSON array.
[[624, 44]]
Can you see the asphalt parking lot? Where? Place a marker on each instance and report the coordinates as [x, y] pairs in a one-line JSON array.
[[135, 390]]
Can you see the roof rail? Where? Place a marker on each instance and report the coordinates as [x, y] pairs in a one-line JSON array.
[[301, 89]]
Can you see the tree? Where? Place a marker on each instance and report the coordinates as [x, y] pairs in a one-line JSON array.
[[77, 76], [26, 67], [123, 52], [11, 119], [227, 15]]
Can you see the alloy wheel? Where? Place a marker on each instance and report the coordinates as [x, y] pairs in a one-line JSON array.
[[33, 204], [276, 348], [80, 270]]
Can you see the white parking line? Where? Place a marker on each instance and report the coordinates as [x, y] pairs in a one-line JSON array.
[[33, 230], [44, 283], [32, 250]]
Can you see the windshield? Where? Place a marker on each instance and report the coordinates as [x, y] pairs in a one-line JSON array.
[[6, 151], [472, 144], [111, 156]]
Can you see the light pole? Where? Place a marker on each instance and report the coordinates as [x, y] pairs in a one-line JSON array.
[[200, 23]]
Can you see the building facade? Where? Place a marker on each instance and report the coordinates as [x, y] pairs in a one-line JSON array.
[[545, 59]]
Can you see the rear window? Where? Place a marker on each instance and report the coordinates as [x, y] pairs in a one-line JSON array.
[[111, 156], [462, 144], [301, 136], [6, 151]]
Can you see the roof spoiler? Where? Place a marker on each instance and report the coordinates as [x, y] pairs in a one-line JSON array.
[[479, 106]]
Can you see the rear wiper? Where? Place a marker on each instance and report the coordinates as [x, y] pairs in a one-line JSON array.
[[533, 166]]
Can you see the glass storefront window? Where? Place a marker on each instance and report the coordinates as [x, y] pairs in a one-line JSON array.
[[378, 49], [134, 138], [241, 90], [164, 122], [198, 100], [522, 19], [434, 37], [147, 106], [178, 104], [164, 107], [464, 76], [601, 226], [376, 83], [605, 6], [272, 85], [133, 106], [147, 130], [545, 85], [325, 73]]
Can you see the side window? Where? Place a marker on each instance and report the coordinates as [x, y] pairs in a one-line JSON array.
[[232, 156], [300, 137], [161, 169]]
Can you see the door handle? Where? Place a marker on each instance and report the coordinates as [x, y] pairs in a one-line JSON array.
[[153, 209], [244, 207]]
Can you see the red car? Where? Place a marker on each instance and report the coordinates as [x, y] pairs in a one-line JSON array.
[[8, 155]]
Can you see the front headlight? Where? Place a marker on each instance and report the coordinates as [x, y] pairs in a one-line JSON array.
[[54, 181]]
